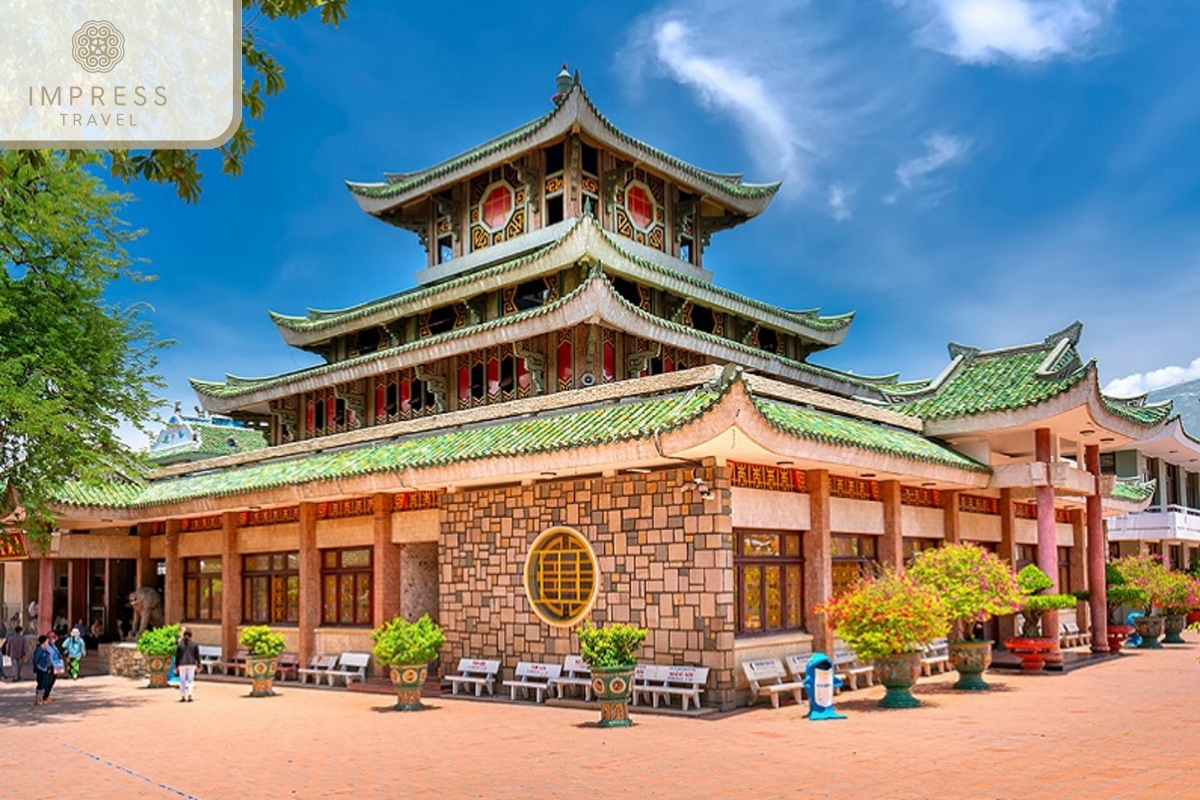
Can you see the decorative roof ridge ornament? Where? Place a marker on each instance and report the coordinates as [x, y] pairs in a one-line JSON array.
[[563, 84], [1071, 333]]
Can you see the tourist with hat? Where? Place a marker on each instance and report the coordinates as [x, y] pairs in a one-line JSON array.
[[74, 649]]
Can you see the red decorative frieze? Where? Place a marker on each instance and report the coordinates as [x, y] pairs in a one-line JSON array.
[[853, 488], [355, 507], [916, 496], [763, 476], [1062, 515], [12, 546], [1025, 510], [196, 524], [417, 501], [975, 504], [269, 516]]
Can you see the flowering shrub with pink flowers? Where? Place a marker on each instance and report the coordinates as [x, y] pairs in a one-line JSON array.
[[887, 615], [974, 584]]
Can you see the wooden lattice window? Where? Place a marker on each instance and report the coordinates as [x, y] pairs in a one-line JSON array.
[[271, 588], [202, 588], [768, 581], [561, 576], [346, 577]]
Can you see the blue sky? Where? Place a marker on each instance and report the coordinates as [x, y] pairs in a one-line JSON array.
[[982, 171]]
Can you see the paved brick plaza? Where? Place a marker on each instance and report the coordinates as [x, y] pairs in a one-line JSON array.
[[1125, 729]]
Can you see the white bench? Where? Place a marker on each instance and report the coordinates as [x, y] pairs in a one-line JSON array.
[[236, 664], [210, 657], [351, 667], [575, 673], [935, 657], [846, 666], [318, 667], [475, 671], [644, 676], [533, 675], [1071, 636], [766, 677], [686, 683]]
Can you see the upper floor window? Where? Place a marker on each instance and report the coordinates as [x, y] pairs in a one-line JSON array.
[[640, 206], [497, 206]]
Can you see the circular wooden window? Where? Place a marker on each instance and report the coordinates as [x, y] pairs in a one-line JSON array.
[[561, 576]]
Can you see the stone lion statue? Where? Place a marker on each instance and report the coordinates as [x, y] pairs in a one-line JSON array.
[[147, 608]]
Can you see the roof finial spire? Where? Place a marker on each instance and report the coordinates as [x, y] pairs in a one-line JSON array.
[[563, 84]]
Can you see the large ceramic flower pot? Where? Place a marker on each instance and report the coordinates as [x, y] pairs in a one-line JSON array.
[[1149, 628], [1193, 617], [1117, 634], [158, 668], [1031, 651], [613, 687], [971, 659], [1173, 625], [261, 671], [898, 673], [408, 680]]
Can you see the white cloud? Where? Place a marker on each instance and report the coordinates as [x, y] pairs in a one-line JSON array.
[[987, 31], [840, 197], [941, 150], [1142, 382]]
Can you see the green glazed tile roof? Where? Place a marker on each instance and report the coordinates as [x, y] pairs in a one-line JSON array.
[[317, 319], [1002, 380], [214, 441], [615, 423], [1136, 409], [819, 426], [404, 184], [235, 386], [1133, 492], [623, 421]]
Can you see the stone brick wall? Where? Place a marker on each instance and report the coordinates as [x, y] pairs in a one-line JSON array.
[[665, 560]]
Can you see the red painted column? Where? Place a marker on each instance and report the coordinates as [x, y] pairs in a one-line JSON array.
[[891, 544], [231, 584], [1097, 553], [173, 585], [818, 560], [1007, 551], [952, 520], [1047, 538], [386, 583], [310, 582], [45, 600]]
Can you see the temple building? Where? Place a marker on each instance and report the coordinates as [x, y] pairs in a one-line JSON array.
[[568, 418]]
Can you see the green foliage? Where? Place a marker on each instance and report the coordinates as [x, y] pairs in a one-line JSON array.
[[1034, 604], [974, 584], [402, 642], [159, 641], [1151, 574], [72, 364], [262, 642], [610, 646], [887, 615]]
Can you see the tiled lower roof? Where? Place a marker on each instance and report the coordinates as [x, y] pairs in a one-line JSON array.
[[623, 421], [1133, 492]]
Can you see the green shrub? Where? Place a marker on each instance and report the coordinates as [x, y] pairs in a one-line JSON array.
[[1033, 605], [610, 646], [402, 642], [159, 641], [262, 642], [887, 616]]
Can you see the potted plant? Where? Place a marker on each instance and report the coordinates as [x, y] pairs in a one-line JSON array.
[[889, 619], [1181, 593], [263, 646], [1118, 593], [407, 648], [974, 585], [608, 652], [158, 645], [1033, 644], [1150, 574]]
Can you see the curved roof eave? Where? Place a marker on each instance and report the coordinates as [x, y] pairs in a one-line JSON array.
[[584, 238], [594, 300], [575, 112]]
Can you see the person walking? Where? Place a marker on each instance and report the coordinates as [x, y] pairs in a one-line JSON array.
[[187, 658], [18, 651], [43, 669], [74, 649]]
